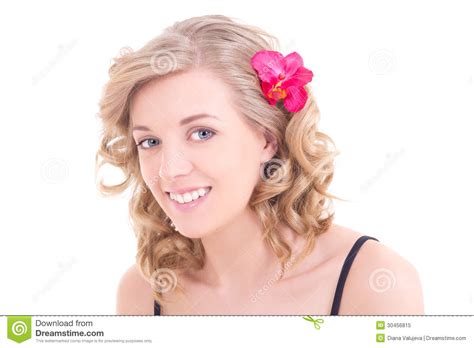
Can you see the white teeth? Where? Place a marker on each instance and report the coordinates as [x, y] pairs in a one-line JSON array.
[[189, 196]]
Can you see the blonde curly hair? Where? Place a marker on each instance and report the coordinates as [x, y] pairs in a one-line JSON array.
[[296, 193]]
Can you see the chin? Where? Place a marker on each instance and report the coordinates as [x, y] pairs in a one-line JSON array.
[[193, 233]]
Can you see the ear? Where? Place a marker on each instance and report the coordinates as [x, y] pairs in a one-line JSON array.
[[271, 147]]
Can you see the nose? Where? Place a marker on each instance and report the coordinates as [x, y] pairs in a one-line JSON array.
[[173, 164]]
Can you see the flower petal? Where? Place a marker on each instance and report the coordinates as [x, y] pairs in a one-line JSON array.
[[292, 62], [300, 78], [269, 65], [266, 88], [296, 98]]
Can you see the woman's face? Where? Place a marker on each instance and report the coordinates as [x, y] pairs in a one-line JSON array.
[[179, 152]]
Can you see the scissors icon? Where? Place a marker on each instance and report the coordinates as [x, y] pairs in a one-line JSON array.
[[316, 322]]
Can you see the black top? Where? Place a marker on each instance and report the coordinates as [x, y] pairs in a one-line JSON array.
[[342, 277]]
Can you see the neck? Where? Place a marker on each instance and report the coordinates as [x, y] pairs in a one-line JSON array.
[[236, 256]]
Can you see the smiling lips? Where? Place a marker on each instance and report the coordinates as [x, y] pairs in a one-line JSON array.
[[179, 201], [189, 196]]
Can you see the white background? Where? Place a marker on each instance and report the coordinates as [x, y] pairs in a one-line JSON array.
[[393, 81]]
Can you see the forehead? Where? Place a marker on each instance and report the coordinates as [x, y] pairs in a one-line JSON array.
[[176, 96]]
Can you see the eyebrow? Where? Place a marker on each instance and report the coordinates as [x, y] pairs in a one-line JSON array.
[[183, 122]]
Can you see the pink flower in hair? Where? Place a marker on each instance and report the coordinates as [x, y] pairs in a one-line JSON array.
[[282, 78]]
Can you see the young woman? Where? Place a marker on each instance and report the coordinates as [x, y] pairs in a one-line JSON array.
[[216, 133]]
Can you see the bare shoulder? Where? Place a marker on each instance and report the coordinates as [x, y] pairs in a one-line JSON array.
[[381, 281], [134, 294]]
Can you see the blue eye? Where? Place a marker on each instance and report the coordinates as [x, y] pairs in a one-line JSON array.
[[140, 146], [151, 140], [203, 130]]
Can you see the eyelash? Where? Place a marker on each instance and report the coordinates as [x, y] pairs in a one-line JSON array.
[[139, 145]]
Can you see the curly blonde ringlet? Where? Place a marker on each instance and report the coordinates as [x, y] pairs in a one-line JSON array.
[[223, 46]]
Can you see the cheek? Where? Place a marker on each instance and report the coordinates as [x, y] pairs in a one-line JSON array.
[[236, 173], [149, 173]]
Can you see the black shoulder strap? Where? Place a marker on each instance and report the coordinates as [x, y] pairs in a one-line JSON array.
[[345, 271], [156, 308]]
